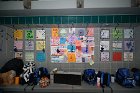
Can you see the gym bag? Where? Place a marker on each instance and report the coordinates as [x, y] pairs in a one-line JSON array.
[[89, 76], [136, 75], [123, 78], [105, 80]]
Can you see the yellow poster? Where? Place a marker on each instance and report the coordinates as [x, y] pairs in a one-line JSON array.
[[40, 45], [71, 57], [55, 31], [18, 34]]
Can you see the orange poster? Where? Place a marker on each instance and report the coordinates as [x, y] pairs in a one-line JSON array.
[[55, 31], [78, 43], [71, 57], [18, 34]]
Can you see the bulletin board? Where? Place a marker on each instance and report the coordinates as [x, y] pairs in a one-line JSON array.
[[72, 45]]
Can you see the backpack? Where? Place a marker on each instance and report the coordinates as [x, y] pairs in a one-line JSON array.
[[89, 76], [123, 78], [13, 64], [36, 76], [105, 80], [136, 75], [28, 69]]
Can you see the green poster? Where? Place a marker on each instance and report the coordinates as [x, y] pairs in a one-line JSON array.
[[117, 33], [29, 34]]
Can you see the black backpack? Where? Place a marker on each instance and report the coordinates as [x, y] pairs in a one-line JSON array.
[[13, 64]]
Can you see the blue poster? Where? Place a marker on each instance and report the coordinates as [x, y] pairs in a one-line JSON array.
[[40, 56], [71, 48], [62, 40]]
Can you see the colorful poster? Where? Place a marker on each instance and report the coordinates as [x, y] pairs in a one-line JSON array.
[[40, 57], [128, 56], [29, 56], [128, 33], [104, 56], [58, 50], [55, 41], [63, 32], [40, 34], [90, 31], [18, 44], [29, 34], [104, 45], [129, 45], [117, 45], [81, 31], [74, 46], [29, 45], [19, 55], [72, 30], [71, 48], [78, 42], [40, 45], [117, 56], [58, 59], [18, 34], [71, 57], [55, 32], [117, 33], [62, 40], [72, 38], [104, 33]]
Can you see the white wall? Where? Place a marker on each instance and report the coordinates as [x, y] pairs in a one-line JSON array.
[[106, 3], [11, 5], [53, 4], [64, 4]]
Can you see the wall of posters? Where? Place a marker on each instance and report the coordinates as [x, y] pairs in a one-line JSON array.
[[76, 45]]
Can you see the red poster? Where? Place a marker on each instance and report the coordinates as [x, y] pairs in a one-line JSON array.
[[117, 56]]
